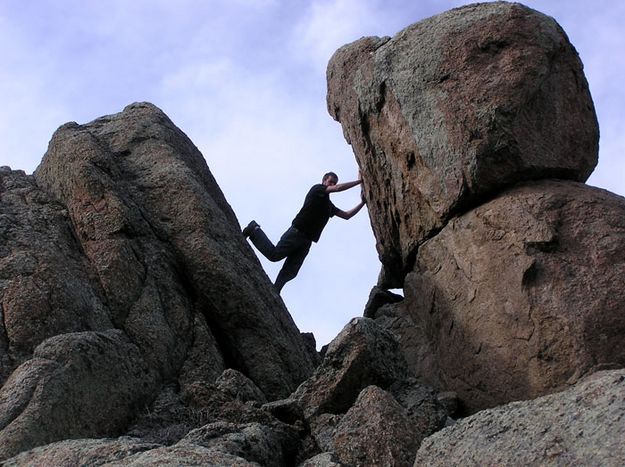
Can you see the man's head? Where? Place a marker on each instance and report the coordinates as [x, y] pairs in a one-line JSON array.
[[330, 179]]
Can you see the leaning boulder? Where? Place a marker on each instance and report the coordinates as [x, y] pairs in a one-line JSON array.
[[581, 426], [518, 298], [454, 108]]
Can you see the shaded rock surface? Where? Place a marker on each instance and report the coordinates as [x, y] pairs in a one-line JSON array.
[[82, 452], [581, 426], [325, 459], [519, 297], [85, 384], [46, 286], [456, 107], [124, 452]]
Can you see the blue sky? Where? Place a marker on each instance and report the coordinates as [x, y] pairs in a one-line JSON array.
[[245, 79]]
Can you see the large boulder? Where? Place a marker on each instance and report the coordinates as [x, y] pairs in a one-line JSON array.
[[452, 109], [165, 245], [518, 298], [581, 426], [123, 270]]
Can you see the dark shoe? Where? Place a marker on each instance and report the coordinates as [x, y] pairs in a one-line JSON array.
[[247, 231]]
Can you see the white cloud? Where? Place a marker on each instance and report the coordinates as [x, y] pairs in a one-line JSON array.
[[329, 24]]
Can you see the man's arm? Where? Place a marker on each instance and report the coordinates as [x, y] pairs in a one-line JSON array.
[[352, 212], [343, 186]]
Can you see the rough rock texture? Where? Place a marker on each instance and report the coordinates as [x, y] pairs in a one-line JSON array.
[[581, 426], [84, 384], [239, 387], [46, 286], [456, 107], [165, 245], [173, 416], [81, 452], [125, 452], [253, 442], [325, 459], [377, 299], [376, 431], [421, 405], [123, 269], [362, 354], [519, 297], [345, 406], [183, 454]]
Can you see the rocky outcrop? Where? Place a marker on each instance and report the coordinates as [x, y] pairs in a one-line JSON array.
[[473, 130], [165, 245], [376, 431], [122, 270], [506, 302], [46, 286], [454, 108], [581, 426]]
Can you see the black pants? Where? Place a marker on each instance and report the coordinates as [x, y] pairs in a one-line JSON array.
[[293, 246]]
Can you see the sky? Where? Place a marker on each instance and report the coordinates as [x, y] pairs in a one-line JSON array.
[[245, 80]]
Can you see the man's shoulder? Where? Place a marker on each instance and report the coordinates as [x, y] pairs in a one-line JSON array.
[[318, 189]]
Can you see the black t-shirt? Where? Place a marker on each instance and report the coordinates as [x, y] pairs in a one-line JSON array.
[[315, 213]]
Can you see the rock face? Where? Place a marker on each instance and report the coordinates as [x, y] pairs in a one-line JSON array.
[[87, 384], [506, 302], [454, 108], [581, 426], [122, 268]]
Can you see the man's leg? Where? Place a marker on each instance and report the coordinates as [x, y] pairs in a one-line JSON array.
[[292, 265], [290, 241], [264, 245]]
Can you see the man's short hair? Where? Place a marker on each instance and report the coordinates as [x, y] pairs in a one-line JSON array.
[[328, 175]]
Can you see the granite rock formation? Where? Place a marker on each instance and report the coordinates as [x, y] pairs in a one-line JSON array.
[[506, 302], [454, 108], [581, 426], [473, 130], [123, 270]]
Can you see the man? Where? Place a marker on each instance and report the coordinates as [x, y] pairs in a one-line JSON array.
[[305, 229]]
